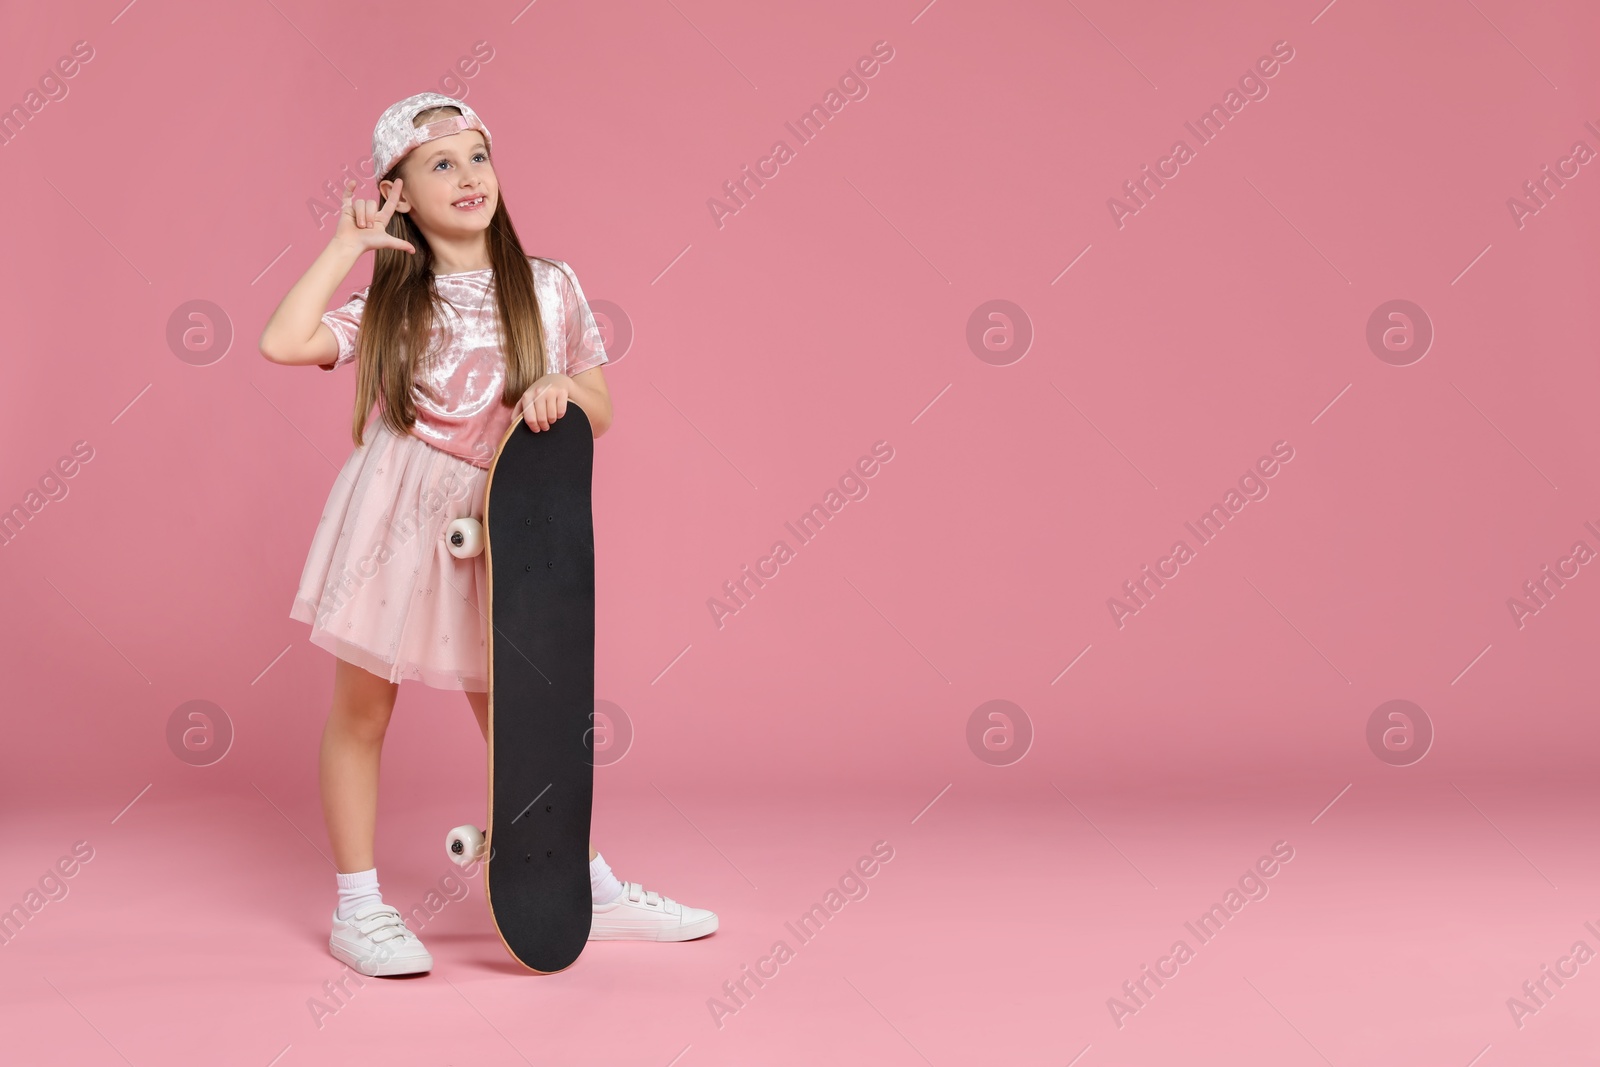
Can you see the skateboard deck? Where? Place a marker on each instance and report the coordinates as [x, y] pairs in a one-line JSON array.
[[539, 563]]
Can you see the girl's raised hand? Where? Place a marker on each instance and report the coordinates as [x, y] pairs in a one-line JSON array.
[[364, 224]]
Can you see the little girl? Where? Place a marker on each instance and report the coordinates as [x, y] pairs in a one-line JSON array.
[[506, 335]]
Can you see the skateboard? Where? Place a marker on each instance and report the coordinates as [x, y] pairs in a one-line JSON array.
[[538, 538]]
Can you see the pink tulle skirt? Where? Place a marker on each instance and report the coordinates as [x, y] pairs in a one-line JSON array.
[[380, 587]]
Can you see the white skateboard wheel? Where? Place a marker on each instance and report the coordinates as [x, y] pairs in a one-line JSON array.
[[465, 845], [465, 538]]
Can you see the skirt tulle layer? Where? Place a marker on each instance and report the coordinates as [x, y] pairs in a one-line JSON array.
[[380, 588]]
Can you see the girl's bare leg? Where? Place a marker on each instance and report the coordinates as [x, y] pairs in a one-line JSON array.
[[352, 741], [480, 709]]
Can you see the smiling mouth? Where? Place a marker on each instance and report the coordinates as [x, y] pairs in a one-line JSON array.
[[471, 204]]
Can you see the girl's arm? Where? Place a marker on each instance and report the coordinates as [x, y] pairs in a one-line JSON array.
[[590, 392], [295, 335], [546, 400]]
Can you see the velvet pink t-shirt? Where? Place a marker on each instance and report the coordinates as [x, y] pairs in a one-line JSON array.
[[459, 382]]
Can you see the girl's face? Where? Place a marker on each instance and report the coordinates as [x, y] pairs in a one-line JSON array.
[[449, 186]]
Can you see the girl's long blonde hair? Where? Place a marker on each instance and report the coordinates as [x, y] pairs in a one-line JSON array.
[[397, 320]]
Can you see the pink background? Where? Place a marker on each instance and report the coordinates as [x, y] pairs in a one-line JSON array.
[[768, 355]]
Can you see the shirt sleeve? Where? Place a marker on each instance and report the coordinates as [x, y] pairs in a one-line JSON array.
[[345, 322], [585, 348]]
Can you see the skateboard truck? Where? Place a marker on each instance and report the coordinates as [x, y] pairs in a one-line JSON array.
[[464, 537]]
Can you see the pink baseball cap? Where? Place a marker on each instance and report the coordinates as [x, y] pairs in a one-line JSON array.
[[394, 135]]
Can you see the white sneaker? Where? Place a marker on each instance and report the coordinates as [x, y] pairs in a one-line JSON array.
[[376, 942], [640, 914]]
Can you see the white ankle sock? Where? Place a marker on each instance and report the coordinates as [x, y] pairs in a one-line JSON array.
[[357, 890], [603, 884]]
